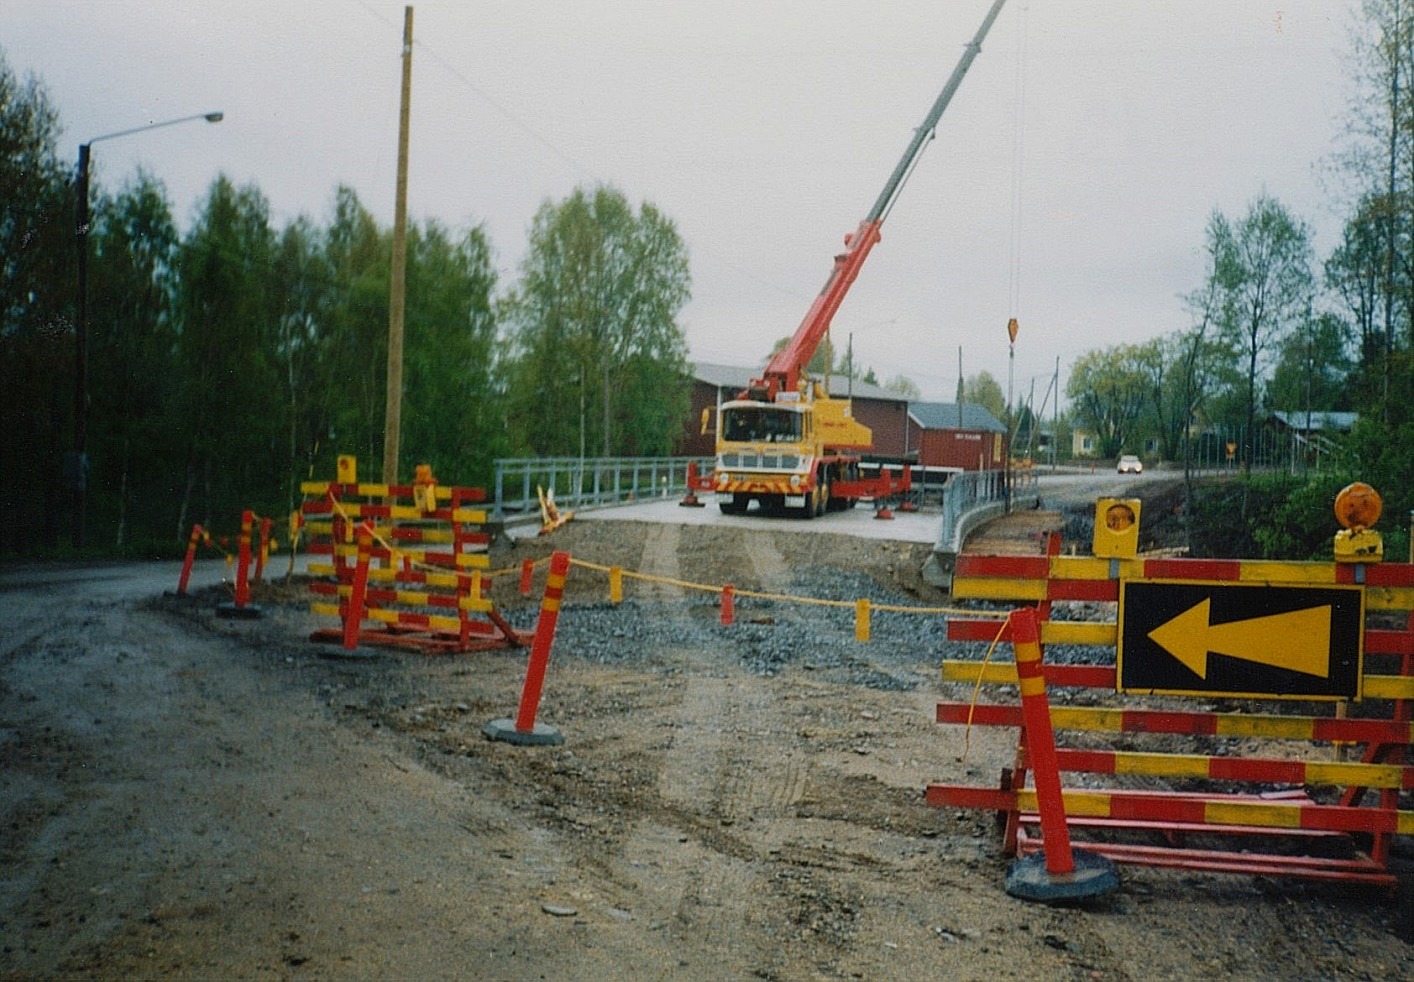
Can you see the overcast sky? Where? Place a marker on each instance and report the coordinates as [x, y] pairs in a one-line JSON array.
[[1069, 184]]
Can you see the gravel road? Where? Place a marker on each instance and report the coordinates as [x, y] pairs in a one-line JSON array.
[[190, 797]]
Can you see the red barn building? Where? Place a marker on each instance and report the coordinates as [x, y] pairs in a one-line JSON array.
[[966, 437]]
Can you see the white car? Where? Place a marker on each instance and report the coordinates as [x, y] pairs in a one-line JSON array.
[[1130, 464]]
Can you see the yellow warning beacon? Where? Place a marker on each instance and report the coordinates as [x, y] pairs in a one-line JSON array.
[[1116, 528]]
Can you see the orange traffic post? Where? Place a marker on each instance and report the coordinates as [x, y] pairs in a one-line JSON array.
[[242, 607], [196, 534], [527, 576], [862, 617], [1057, 873], [616, 585], [728, 605], [524, 730]]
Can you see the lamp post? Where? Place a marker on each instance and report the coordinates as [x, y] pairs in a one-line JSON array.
[[76, 462]]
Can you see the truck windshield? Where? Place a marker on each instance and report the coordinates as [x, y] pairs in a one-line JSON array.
[[763, 425]]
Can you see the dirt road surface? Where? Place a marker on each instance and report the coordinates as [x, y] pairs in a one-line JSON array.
[[190, 797]]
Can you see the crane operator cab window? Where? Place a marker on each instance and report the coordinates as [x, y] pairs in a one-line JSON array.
[[761, 426]]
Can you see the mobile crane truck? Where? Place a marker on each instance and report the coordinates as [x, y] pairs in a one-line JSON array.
[[784, 441]]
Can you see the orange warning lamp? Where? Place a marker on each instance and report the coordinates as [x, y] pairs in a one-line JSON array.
[[1116, 528], [1357, 507]]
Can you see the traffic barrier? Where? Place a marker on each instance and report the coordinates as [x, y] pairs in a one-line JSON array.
[[525, 730], [241, 607], [1284, 636], [418, 579], [244, 576], [198, 535]]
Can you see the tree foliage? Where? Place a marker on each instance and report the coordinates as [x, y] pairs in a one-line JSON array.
[[1261, 269], [36, 263], [598, 361], [1108, 390], [985, 391], [235, 359]]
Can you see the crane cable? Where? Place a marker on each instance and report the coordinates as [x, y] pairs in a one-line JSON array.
[[1017, 162]]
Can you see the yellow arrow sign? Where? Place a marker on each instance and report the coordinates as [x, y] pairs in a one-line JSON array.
[[1298, 641]]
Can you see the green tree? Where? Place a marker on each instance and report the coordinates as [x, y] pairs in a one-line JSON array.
[[231, 401], [902, 385], [451, 416], [1379, 159], [304, 285], [1355, 274], [1261, 269], [132, 343], [36, 296], [598, 359], [354, 345], [1313, 367], [1107, 390], [985, 391]]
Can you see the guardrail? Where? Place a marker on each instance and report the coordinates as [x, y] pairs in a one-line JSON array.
[[973, 497], [582, 482]]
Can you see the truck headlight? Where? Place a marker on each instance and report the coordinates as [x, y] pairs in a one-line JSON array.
[[795, 480]]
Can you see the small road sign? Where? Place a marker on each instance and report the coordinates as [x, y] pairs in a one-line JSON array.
[[1193, 637]]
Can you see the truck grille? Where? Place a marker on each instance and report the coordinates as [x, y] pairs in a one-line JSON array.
[[760, 461]]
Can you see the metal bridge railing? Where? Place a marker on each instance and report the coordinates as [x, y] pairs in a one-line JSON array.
[[974, 496], [584, 482]]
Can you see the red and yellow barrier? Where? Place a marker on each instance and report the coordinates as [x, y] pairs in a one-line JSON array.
[[1292, 798], [406, 565]]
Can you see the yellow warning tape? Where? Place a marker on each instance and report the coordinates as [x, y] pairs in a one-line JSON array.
[[785, 597]]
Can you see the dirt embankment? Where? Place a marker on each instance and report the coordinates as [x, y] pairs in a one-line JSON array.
[[185, 796]]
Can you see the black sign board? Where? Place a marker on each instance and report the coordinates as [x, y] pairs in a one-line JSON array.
[[1241, 639]]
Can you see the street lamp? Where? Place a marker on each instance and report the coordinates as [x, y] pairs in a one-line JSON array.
[[76, 463]]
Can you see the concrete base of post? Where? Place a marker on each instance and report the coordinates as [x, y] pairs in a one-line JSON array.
[[1094, 876], [539, 736], [230, 611]]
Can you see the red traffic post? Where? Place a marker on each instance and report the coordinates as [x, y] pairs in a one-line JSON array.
[[728, 605], [690, 500], [196, 533], [1058, 872], [527, 576], [524, 730], [242, 607], [358, 591]]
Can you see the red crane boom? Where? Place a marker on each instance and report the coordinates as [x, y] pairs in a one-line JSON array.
[[783, 373]]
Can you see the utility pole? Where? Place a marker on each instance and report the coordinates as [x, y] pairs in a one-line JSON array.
[[397, 291]]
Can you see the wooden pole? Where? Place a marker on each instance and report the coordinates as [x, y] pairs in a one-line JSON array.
[[397, 296]]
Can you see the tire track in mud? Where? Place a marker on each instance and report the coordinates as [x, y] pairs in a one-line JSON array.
[[717, 783]]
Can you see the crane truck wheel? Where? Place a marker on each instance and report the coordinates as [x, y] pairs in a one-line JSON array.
[[737, 506]]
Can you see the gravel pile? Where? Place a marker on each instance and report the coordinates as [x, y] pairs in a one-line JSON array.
[[767, 636]]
